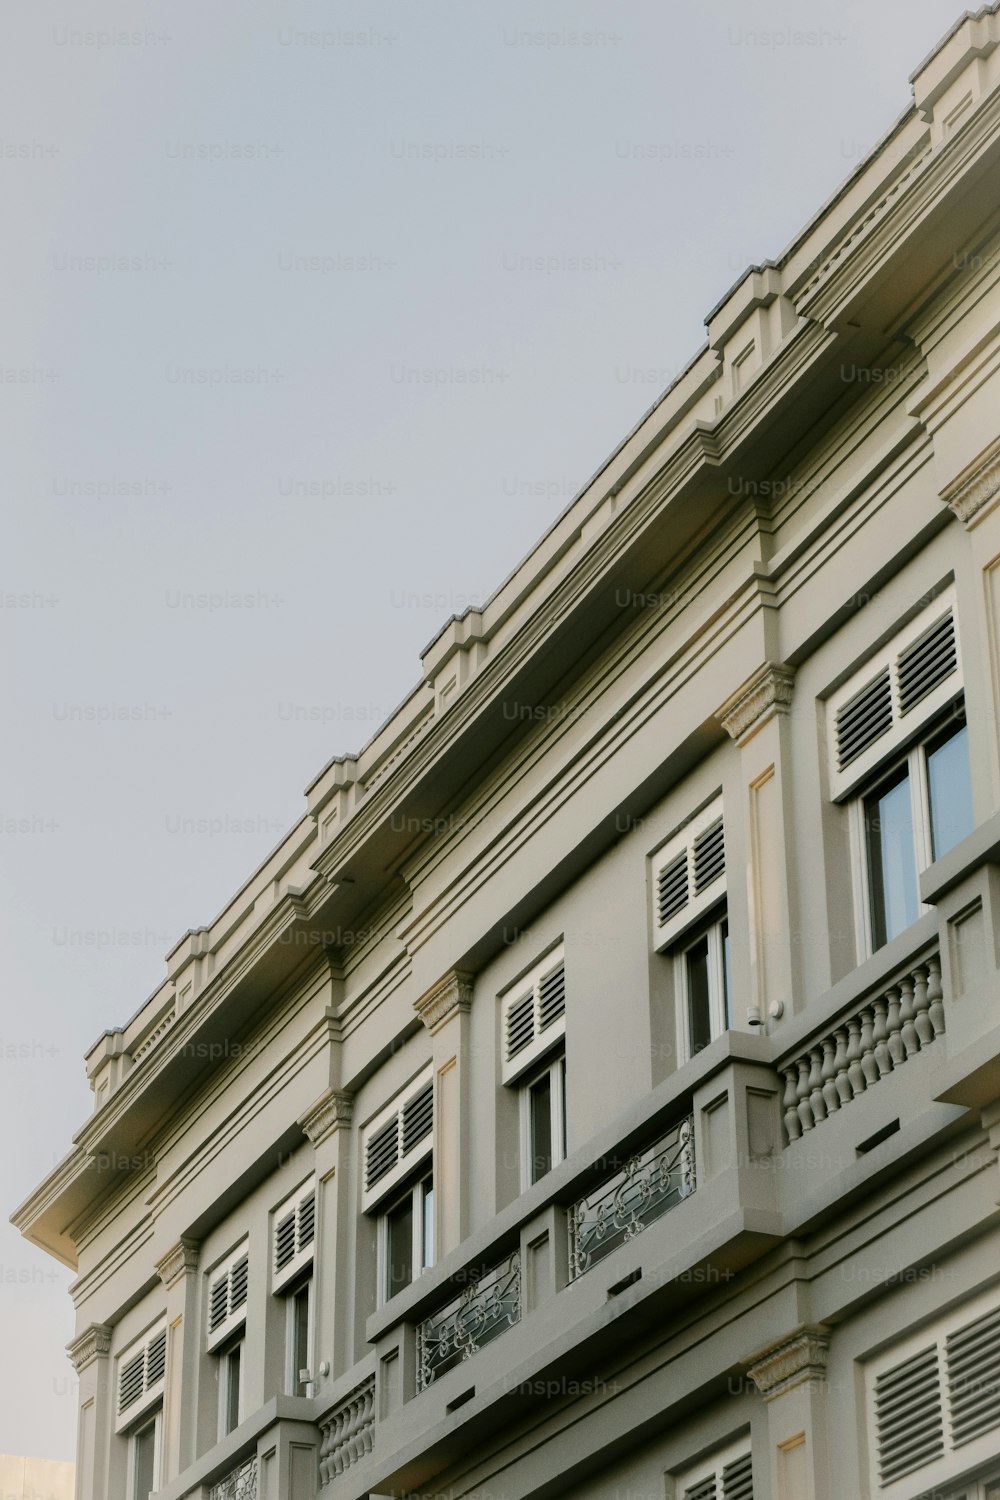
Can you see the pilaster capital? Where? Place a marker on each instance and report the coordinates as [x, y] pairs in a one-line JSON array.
[[450, 996], [180, 1260], [765, 693], [977, 489], [333, 1110], [798, 1357], [93, 1343]]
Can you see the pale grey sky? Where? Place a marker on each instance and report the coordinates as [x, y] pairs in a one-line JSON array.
[[458, 248]]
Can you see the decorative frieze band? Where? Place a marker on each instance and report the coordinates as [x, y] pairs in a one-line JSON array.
[[977, 490], [767, 692], [93, 1343], [799, 1357], [332, 1111], [180, 1260], [450, 996]]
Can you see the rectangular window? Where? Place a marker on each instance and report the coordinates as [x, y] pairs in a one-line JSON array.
[[228, 1290], [533, 1015], [704, 986], [406, 1237], [230, 1388], [397, 1140], [144, 1459], [543, 1120], [300, 1339], [892, 857], [688, 875]]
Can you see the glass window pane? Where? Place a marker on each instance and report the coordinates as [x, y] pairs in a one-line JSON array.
[[699, 1015], [428, 1237], [300, 1337], [727, 977], [949, 787], [232, 1376], [891, 858], [399, 1266], [562, 1109], [143, 1453], [540, 1114]]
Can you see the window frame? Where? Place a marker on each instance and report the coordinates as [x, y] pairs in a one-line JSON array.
[[224, 1357], [150, 1395], [914, 758], [304, 1255], [711, 1466], [554, 1067], [236, 1318], [407, 1162], [698, 903], [720, 1000], [151, 1417], [291, 1295], [416, 1191], [544, 1037]]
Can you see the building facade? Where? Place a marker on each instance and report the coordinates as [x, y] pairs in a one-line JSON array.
[[597, 1093], [35, 1478]]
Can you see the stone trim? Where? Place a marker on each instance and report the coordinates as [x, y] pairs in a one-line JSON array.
[[974, 494], [332, 1111], [180, 1260], [766, 692], [450, 996], [93, 1343], [792, 1360]]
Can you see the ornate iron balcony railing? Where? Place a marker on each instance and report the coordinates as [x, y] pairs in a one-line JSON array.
[[486, 1308], [648, 1185], [240, 1484]]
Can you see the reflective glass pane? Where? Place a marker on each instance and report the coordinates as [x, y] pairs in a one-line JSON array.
[[428, 1242], [143, 1454], [891, 859], [949, 787], [399, 1267], [727, 977], [699, 1014], [232, 1375], [540, 1112], [300, 1337]]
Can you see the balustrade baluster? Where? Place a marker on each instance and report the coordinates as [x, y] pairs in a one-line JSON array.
[[830, 1096], [880, 1035], [841, 1080], [855, 1072], [935, 996], [816, 1103], [868, 1064], [793, 1125], [907, 1030], [921, 1001], [897, 1051], [802, 1089]]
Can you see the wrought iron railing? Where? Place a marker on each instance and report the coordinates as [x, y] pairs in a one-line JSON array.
[[239, 1484], [348, 1431], [874, 1039], [488, 1305], [647, 1186]]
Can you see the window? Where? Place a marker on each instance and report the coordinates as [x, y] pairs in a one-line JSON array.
[[704, 986], [230, 1387], [398, 1139], [228, 1286], [533, 1015], [144, 1458], [142, 1369], [293, 1235], [932, 1402], [915, 812], [406, 1237], [298, 1338], [543, 1120], [727, 1474], [688, 875]]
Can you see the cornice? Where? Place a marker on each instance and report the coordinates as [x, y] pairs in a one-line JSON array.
[[765, 694], [333, 1110], [93, 1343], [450, 996], [798, 1357], [976, 491], [180, 1260]]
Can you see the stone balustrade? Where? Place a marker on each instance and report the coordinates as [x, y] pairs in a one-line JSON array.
[[348, 1432]]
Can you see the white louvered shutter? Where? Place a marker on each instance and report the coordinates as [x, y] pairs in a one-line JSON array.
[[142, 1369], [689, 875], [725, 1475], [533, 1015], [293, 1233], [398, 1139], [937, 1411], [228, 1290], [888, 700]]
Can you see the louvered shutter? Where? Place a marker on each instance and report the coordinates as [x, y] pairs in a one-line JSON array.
[[142, 1371], [689, 874], [725, 1475], [937, 1410], [398, 1139], [533, 1015], [293, 1230], [228, 1290], [892, 696]]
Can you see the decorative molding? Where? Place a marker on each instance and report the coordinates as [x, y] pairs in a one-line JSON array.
[[766, 692], [93, 1343], [977, 489], [180, 1260], [450, 996], [792, 1360], [332, 1111]]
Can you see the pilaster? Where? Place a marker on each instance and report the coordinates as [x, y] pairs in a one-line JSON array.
[[444, 1010], [328, 1124], [178, 1270], [790, 1374], [90, 1357]]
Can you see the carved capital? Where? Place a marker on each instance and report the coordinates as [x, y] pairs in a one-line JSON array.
[[767, 692], [180, 1260], [792, 1360], [452, 995], [332, 1111], [93, 1343], [977, 490]]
